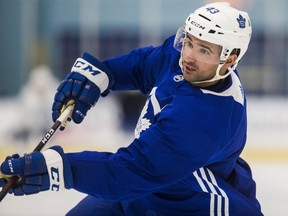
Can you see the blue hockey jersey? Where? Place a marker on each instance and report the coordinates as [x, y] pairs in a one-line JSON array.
[[184, 159]]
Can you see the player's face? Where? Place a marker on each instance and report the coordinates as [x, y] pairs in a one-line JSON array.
[[200, 59]]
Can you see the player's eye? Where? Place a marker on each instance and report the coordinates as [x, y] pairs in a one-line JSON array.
[[189, 43], [205, 51]]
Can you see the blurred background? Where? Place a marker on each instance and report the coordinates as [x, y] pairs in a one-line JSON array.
[[40, 40]]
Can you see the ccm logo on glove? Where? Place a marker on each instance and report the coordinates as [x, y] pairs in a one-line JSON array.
[[55, 184], [55, 169], [86, 67], [10, 166], [92, 73], [80, 113]]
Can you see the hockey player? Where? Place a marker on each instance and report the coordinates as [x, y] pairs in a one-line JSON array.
[[184, 159]]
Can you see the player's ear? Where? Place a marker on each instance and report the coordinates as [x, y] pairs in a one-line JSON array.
[[231, 60]]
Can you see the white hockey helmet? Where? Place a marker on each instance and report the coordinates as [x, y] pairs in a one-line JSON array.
[[220, 24]]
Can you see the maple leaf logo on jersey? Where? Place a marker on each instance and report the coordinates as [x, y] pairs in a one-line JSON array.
[[142, 125], [150, 109]]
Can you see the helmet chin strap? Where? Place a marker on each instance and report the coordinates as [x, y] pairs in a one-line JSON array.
[[217, 75]]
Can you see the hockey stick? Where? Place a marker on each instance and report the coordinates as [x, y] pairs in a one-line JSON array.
[[11, 180]]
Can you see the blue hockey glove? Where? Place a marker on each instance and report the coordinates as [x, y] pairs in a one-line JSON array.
[[38, 171], [87, 80]]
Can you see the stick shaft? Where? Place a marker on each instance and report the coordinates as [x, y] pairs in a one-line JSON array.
[[47, 136]]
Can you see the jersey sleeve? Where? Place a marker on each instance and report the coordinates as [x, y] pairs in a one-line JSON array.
[[139, 69], [170, 150]]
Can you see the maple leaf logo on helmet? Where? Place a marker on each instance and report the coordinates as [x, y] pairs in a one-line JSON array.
[[241, 20]]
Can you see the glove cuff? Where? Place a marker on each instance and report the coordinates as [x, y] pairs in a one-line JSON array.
[[59, 171], [92, 73]]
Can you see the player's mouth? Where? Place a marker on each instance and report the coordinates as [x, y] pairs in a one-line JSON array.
[[189, 68]]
